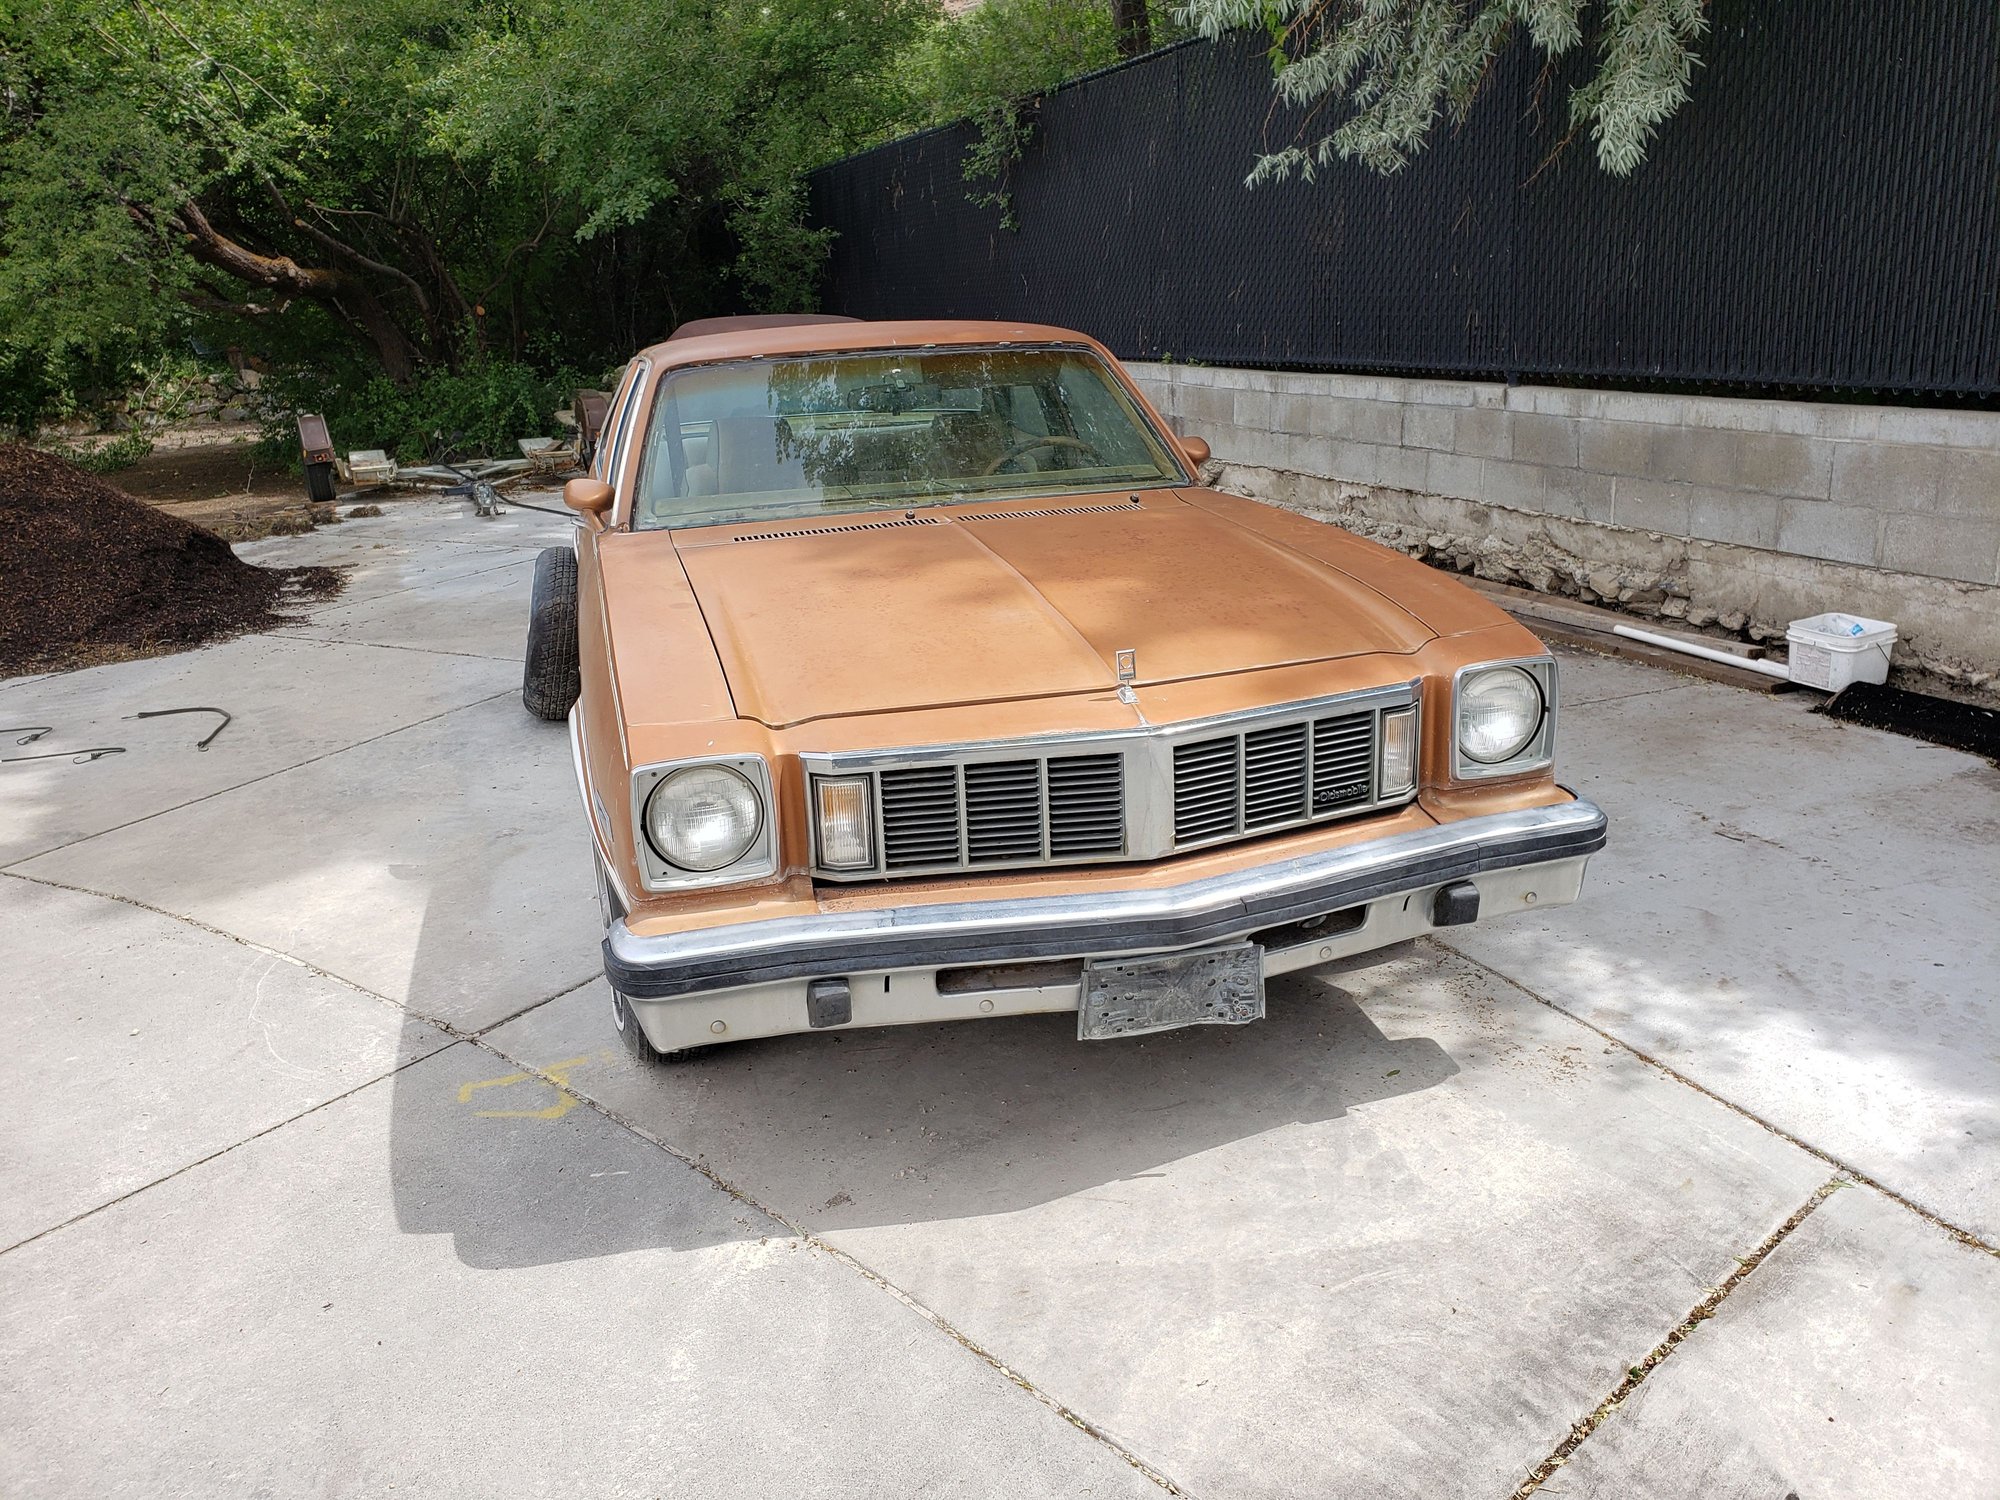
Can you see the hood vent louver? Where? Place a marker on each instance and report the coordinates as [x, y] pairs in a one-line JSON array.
[[1052, 510], [772, 536]]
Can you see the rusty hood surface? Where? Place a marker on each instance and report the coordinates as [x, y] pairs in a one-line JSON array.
[[978, 604]]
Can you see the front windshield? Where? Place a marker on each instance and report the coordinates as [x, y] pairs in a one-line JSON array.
[[774, 439]]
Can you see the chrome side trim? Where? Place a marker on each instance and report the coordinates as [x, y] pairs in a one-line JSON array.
[[1215, 909], [1148, 754], [606, 867]]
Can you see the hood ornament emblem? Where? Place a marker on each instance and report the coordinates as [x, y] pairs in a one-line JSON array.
[[1128, 669]]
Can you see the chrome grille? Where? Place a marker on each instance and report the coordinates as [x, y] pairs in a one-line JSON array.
[[1139, 793], [1272, 777]]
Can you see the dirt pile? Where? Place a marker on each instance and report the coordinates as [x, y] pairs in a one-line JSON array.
[[87, 573]]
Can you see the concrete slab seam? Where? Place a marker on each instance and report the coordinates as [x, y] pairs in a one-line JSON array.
[[1635, 1376], [1964, 1237], [455, 1032], [12, 867], [312, 1109], [1075, 1418], [328, 640], [569, 989], [279, 954], [1672, 687]]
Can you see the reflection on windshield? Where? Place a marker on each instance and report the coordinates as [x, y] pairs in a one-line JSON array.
[[825, 434]]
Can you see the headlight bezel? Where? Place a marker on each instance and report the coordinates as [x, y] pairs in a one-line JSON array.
[[1538, 753], [757, 862]]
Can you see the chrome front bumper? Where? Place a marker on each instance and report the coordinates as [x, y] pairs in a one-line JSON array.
[[766, 964]]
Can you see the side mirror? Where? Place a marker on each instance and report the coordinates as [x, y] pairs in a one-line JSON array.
[[1196, 451], [587, 496]]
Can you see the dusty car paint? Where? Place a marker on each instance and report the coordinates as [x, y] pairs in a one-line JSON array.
[[988, 621]]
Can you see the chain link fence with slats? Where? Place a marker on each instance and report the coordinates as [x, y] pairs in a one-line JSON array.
[[1822, 216]]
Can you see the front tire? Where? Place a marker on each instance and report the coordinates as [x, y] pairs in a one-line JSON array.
[[551, 674], [635, 1041]]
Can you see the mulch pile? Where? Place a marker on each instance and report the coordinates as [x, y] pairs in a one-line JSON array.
[[1941, 721], [87, 573]]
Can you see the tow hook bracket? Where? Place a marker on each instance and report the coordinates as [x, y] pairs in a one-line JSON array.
[[829, 1002], [1455, 904]]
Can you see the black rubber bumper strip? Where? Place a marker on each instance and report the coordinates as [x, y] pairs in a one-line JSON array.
[[1026, 928]]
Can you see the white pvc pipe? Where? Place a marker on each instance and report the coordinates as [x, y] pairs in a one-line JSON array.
[[1672, 643]]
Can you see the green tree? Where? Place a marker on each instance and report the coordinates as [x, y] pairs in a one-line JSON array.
[[1399, 65], [691, 113], [991, 64], [425, 183]]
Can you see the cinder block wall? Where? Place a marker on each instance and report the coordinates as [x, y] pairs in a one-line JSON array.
[[1741, 511]]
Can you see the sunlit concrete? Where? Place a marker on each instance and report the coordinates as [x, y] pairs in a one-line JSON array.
[[1802, 915], [264, 1325], [1842, 1367], [1390, 1240], [445, 866], [290, 701], [132, 1045], [1396, 1239]]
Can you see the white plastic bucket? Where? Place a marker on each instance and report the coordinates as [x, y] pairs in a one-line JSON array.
[[1829, 651]]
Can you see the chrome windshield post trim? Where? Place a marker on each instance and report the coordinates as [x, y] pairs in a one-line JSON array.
[[1216, 908]]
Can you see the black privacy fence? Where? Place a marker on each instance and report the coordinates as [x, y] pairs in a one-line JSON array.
[[1822, 216]]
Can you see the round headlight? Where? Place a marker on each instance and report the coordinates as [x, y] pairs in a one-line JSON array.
[[703, 817], [1499, 713]]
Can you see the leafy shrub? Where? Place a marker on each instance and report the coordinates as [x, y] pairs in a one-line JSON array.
[[477, 411], [119, 453]]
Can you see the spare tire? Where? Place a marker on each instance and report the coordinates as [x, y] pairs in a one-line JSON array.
[[551, 676]]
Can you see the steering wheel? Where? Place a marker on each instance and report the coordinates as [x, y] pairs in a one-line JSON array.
[[1032, 443]]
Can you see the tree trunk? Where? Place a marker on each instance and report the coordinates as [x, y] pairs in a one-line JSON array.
[[1130, 19], [344, 295]]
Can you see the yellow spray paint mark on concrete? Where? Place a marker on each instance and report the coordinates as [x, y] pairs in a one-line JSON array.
[[558, 1071]]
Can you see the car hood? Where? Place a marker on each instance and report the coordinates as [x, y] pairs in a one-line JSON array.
[[986, 604]]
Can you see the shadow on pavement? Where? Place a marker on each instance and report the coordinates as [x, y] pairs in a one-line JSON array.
[[894, 1126]]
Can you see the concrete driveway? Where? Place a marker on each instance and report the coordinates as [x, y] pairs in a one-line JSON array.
[[1691, 1189]]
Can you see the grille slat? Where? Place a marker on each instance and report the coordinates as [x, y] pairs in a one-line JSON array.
[[1211, 771], [1343, 762], [920, 817], [1274, 778], [1086, 805], [1003, 811]]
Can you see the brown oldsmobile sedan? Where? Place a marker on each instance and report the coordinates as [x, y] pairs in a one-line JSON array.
[[913, 675]]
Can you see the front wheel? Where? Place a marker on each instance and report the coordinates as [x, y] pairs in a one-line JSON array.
[[635, 1041], [622, 1018], [551, 675]]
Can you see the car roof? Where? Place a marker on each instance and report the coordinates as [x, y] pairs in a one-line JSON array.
[[696, 328], [739, 342]]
